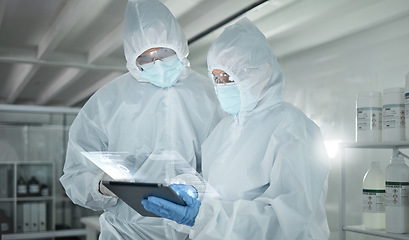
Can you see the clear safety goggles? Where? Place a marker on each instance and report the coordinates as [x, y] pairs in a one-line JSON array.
[[221, 78], [148, 58]]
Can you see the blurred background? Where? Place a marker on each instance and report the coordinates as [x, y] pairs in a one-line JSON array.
[[54, 54]]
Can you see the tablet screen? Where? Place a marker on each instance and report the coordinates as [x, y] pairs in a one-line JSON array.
[[132, 193]]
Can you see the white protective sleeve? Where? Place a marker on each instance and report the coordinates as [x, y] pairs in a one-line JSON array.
[[81, 177]]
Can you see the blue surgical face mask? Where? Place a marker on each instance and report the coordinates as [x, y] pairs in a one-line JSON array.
[[163, 73], [229, 98]]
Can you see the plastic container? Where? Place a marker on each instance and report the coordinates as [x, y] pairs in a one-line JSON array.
[[21, 187], [33, 187], [407, 108], [397, 196], [373, 205], [393, 115], [369, 117], [5, 223], [44, 191]]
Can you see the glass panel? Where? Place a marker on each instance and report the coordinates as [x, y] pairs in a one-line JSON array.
[[35, 177], [30, 136], [6, 213], [6, 181], [12, 142]]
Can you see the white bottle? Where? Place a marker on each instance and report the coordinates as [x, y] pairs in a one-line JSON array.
[[407, 107], [393, 115], [373, 205], [397, 196], [369, 117]]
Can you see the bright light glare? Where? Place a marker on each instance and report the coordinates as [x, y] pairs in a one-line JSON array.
[[332, 148]]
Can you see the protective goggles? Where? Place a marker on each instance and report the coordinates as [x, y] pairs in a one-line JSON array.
[[149, 57], [221, 78]]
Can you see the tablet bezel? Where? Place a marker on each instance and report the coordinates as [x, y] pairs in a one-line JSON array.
[[132, 193]]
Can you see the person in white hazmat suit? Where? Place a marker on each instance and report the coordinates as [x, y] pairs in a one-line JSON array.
[[267, 160], [160, 105]]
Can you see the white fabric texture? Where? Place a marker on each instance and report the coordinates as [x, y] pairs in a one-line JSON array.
[[134, 116], [149, 24], [268, 164]]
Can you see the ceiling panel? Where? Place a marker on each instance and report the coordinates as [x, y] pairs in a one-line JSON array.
[[93, 26], [25, 22], [87, 80], [5, 72], [58, 52], [43, 77]]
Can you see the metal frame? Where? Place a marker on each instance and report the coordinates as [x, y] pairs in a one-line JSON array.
[[47, 234], [42, 109]]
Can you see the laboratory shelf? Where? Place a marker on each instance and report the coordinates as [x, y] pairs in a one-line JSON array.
[[39, 198], [378, 233], [13, 204], [395, 146], [6, 199], [63, 199], [35, 141], [385, 145]]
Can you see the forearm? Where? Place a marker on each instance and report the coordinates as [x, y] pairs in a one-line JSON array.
[[81, 180]]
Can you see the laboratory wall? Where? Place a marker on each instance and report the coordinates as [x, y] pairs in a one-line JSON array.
[[323, 82]]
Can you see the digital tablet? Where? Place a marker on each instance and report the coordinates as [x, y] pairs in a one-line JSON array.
[[132, 193]]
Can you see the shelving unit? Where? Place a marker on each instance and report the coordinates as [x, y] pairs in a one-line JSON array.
[[29, 137], [11, 202], [343, 228]]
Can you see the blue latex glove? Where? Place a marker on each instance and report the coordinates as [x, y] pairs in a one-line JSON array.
[[189, 189], [181, 214]]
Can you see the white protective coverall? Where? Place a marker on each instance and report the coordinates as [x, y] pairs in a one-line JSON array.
[[132, 115], [268, 163]]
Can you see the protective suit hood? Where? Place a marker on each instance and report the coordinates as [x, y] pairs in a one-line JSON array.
[[243, 52], [149, 24]]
